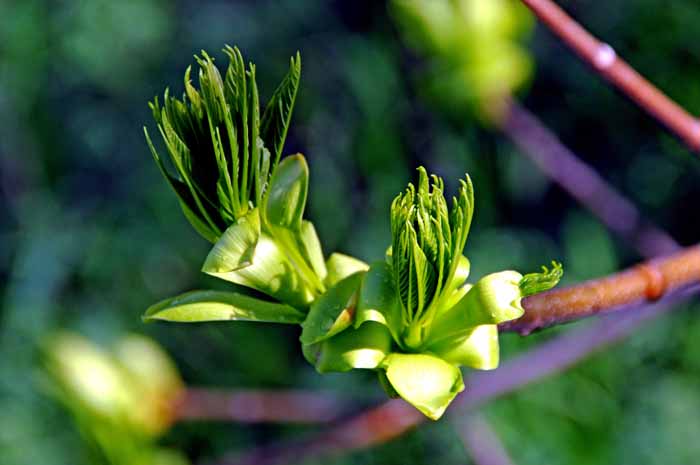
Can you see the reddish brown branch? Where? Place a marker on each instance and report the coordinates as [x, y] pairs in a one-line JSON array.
[[395, 417], [605, 61], [258, 406], [562, 166], [645, 282]]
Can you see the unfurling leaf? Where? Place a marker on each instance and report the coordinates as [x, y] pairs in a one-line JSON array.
[[217, 142], [278, 112], [534, 283], [198, 306]]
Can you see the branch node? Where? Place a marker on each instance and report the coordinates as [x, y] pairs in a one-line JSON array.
[[604, 57], [656, 283]]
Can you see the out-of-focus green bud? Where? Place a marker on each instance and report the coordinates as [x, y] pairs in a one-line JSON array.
[[475, 47], [222, 150], [427, 382], [155, 382], [88, 376], [427, 245], [133, 388]]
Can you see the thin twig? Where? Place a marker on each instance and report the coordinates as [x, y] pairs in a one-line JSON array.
[[480, 440], [603, 59], [561, 165], [395, 417], [646, 282], [259, 406]]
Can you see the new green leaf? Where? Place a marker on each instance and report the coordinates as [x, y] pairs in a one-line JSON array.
[[198, 306]]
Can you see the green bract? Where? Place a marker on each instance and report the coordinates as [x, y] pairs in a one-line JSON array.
[[411, 317]]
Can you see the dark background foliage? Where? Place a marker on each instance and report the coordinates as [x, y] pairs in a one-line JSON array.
[[90, 234]]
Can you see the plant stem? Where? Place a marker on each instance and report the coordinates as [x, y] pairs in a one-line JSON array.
[[603, 59], [643, 283], [561, 165]]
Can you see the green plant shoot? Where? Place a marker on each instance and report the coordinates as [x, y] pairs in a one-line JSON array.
[[412, 317]]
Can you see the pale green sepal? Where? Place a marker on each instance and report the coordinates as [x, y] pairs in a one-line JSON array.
[[270, 272], [495, 298], [196, 306], [340, 266], [236, 247], [312, 248], [332, 312], [378, 300], [477, 349], [286, 197], [365, 347], [425, 381]]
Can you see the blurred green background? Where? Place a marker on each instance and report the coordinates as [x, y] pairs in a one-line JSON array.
[[90, 234]]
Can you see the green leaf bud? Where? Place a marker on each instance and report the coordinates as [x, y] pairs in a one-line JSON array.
[[427, 244]]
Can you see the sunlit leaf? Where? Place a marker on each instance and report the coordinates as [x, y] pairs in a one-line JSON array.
[[197, 306]]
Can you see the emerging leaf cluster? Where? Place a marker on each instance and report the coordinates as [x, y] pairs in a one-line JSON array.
[[427, 242], [412, 318], [221, 149]]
